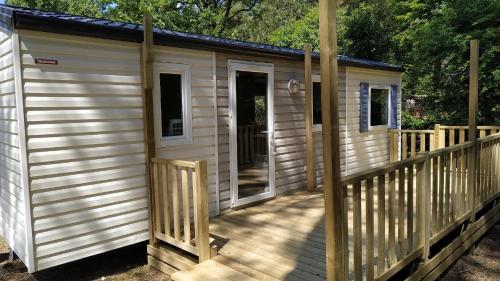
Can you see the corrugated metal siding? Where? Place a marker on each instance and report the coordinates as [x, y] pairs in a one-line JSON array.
[[203, 119], [289, 120], [12, 209], [85, 144], [369, 149]]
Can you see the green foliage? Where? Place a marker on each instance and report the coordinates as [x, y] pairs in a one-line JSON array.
[[295, 34]]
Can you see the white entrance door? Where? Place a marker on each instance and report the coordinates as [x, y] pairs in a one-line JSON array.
[[251, 131]]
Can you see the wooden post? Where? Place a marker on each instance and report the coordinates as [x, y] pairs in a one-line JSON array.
[[335, 230], [202, 237], [473, 96], [394, 144], [309, 118], [147, 97]]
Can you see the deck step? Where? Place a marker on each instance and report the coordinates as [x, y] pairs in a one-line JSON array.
[[211, 270], [169, 260]]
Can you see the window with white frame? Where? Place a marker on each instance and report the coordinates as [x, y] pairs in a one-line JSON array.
[[316, 100], [379, 106], [173, 103]]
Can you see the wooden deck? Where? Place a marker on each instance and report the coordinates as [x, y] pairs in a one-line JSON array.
[[282, 239]]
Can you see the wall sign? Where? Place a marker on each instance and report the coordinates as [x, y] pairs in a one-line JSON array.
[[45, 61]]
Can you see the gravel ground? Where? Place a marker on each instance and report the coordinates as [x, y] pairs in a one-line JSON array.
[[126, 264], [483, 266]]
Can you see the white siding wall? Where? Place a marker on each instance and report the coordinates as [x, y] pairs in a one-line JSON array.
[[203, 113], [369, 149], [289, 117], [85, 144], [12, 207], [318, 136]]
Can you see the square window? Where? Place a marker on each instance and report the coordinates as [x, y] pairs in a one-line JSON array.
[[317, 103], [379, 107]]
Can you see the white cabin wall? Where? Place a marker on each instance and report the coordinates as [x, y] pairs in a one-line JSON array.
[[289, 118], [318, 132], [203, 113], [85, 144], [369, 149], [12, 203]]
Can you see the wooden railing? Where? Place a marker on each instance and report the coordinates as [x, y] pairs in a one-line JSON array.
[[179, 204], [413, 204], [415, 141]]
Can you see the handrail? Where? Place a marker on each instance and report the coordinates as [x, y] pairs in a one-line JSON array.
[[360, 176], [406, 143]]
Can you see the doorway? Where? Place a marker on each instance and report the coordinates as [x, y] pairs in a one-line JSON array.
[[251, 132]]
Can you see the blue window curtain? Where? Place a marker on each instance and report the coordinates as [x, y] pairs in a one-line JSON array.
[[363, 110], [394, 106]]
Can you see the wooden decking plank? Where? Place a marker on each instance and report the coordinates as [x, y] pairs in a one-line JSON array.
[[244, 269], [280, 265], [211, 270]]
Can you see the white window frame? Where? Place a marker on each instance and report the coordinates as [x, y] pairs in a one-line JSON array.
[[185, 72], [379, 87], [316, 127]]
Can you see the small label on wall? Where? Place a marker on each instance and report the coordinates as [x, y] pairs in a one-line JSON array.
[[45, 61]]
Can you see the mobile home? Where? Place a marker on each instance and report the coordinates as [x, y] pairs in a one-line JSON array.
[[73, 177]]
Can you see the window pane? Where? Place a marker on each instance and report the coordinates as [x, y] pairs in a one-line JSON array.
[[317, 103], [379, 104], [171, 105]]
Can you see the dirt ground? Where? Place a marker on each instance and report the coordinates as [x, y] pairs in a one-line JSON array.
[[483, 266], [127, 264]]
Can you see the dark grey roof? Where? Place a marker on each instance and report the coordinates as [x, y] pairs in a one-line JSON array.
[[32, 19]]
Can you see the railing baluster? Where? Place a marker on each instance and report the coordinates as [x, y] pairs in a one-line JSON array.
[[432, 141], [435, 187], [357, 235], [413, 144], [404, 146], [464, 179], [442, 164], [401, 212], [166, 205], [381, 223], [453, 185], [185, 205], [451, 137], [461, 136], [410, 212], [175, 203], [157, 203], [369, 231], [447, 190], [391, 247], [458, 181], [422, 142]]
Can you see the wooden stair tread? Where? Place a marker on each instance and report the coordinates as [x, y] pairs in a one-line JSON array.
[[211, 270], [172, 257]]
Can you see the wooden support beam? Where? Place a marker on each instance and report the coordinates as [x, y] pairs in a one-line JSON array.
[[147, 108], [335, 234], [201, 209], [309, 118], [473, 107]]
